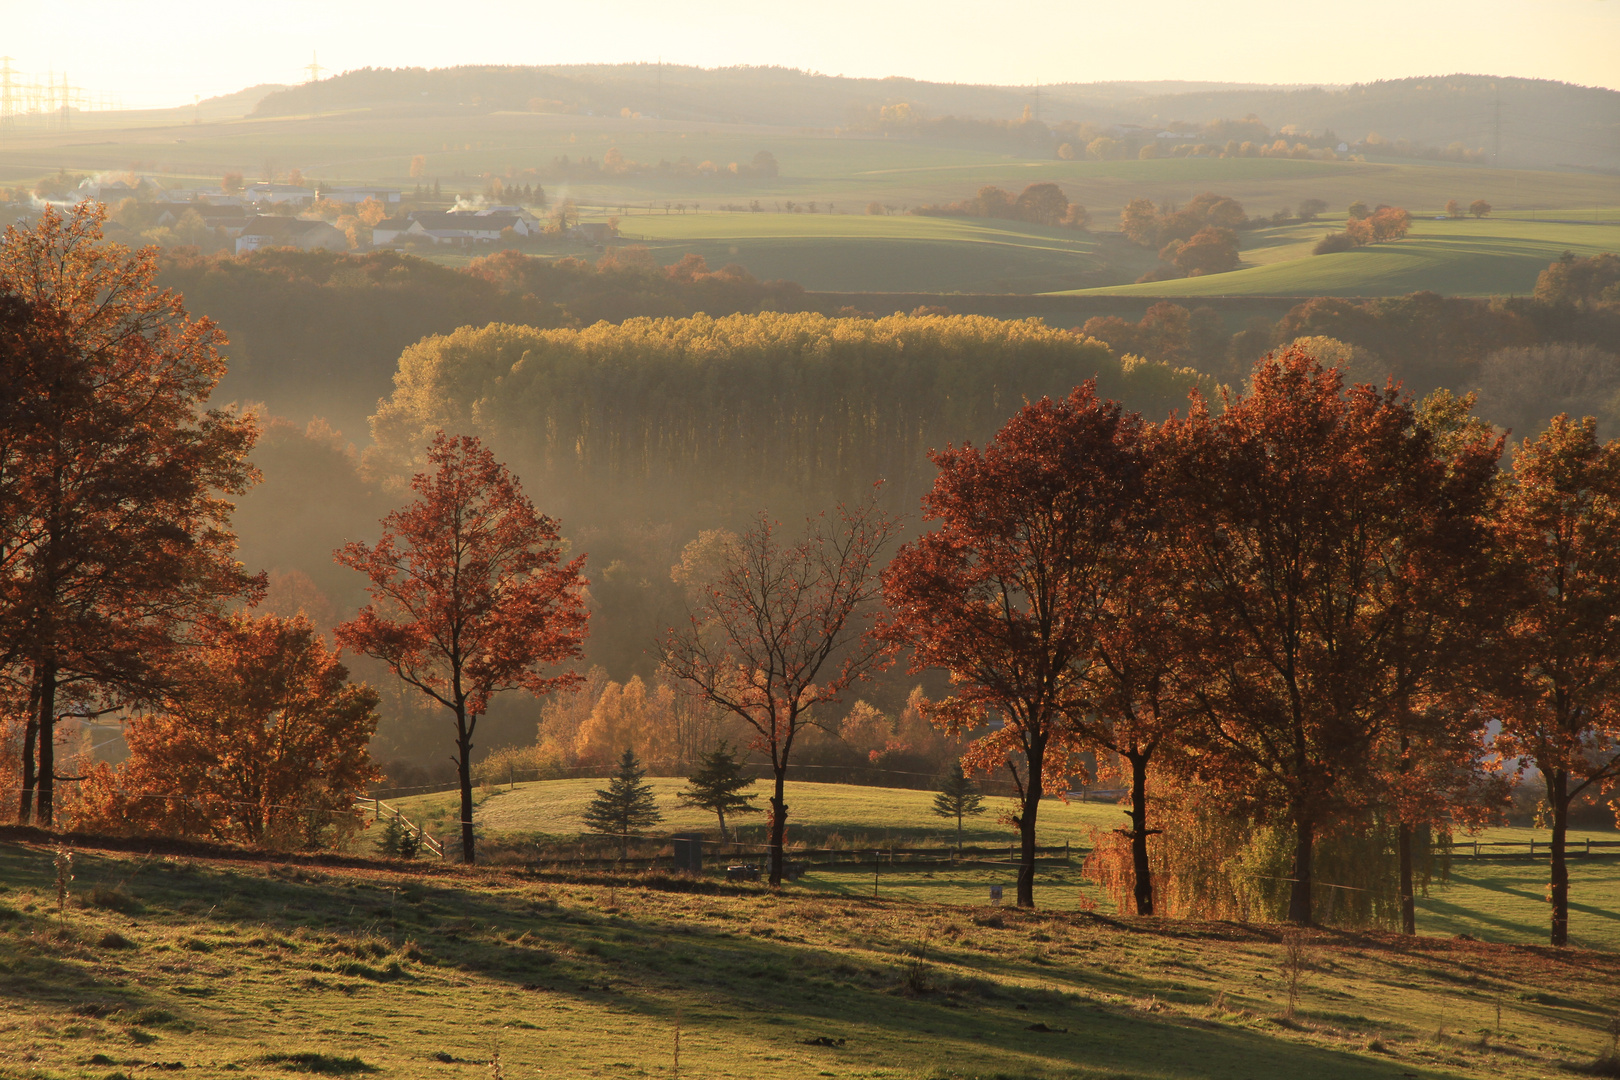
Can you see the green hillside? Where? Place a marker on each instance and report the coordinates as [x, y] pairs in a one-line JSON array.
[[221, 968], [887, 253], [1489, 257]]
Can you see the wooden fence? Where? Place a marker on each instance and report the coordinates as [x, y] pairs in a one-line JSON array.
[[1479, 849], [717, 854], [379, 810]]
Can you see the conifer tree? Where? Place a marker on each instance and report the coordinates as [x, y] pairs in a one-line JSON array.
[[626, 806], [958, 798], [717, 785]]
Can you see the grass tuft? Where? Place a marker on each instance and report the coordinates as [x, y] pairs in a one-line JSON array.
[[321, 1064]]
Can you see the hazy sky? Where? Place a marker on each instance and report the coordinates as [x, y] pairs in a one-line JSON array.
[[164, 52]]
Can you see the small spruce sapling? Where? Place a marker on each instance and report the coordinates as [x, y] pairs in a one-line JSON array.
[[64, 878], [958, 798], [717, 785], [626, 806]]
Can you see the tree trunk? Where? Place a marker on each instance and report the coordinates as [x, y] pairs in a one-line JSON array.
[[1299, 899], [1558, 795], [724, 839], [464, 770], [44, 813], [1026, 832], [959, 834], [1139, 834], [1403, 841], [25, 806], [778, 827]]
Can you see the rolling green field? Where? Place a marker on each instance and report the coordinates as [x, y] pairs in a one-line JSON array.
[[839, 252], [228, 968], [1487, 257], [847, 250], [1500, 900]]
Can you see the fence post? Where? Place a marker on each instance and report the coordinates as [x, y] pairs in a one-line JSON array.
[[1532, 847]]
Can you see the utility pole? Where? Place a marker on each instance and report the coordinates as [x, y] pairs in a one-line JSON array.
[[1496, 128], [8, 96]]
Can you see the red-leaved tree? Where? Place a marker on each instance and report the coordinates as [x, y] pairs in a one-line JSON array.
[[782, 628], [114, 480], [1005, 595], [1297, 505], [469, 595], [1560, 695]]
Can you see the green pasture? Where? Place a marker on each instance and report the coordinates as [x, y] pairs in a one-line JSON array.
[[1468, 257], [889, 253], [1490, 899], [856, 815], [219, 967]]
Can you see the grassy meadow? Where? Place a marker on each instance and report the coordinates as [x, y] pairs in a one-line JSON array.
[[1494, 256], [1492, 899], [891, 253], [247, 969]]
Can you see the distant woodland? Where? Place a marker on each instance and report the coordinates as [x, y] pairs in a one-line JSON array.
[[1522, 121]]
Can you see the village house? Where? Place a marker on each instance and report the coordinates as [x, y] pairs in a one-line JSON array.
[[279, 194], [386, 196], [463, 228], [398, 230], [265, 231]]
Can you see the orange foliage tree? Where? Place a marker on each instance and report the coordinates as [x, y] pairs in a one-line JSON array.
[[782, 628], [113, 479], [1560, 700], [1294, 501], [1005, 594], [469, 594], [263, 741]]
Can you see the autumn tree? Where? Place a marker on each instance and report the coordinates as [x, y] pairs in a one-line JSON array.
[[114, 518], [1479, 208], [1140, 222], [626, 807], [1291, 501], [783, 628], [1043, 204], [1210, 250], [1560, 699], [1446, 594], [1145, 665], [469, 594], [1453, 208], [262, 740], [958, 798], [1004, 593], [717, 785]]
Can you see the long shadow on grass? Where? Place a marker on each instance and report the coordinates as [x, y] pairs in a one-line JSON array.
[[1495, 885], [724, 980]]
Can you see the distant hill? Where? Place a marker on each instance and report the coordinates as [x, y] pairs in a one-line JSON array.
[[238, 104], [1538, 122]]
